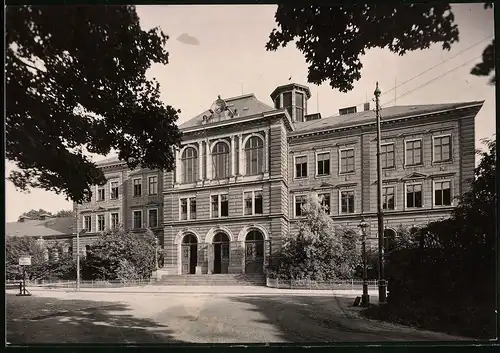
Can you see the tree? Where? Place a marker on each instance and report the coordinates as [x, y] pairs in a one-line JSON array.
[[76, 82], [118, 254], [62, 268], [65, 213], [35, 214], [320, 250], [332, 38]]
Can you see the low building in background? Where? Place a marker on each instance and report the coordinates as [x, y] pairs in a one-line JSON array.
[[54, 234]]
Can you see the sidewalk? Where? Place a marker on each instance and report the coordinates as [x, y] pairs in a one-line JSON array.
[[204, 290]]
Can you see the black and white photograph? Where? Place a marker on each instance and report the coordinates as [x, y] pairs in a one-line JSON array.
[[304, 174]]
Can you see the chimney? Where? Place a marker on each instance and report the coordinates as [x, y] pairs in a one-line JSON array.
[[348, 110], [366, 106]]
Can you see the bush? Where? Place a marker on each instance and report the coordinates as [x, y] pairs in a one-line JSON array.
[[120, 254], [320, 251]]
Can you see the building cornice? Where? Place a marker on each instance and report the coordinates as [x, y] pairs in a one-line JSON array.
[[389, 121]]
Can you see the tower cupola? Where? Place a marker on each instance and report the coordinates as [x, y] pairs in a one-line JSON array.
[[292, 97]]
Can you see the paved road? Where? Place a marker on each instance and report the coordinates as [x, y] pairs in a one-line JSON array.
[[108, 317]]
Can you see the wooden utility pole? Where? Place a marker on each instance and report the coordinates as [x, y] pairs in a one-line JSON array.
[[382, 290]]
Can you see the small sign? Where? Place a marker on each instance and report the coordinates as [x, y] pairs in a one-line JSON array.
[[25, 261]]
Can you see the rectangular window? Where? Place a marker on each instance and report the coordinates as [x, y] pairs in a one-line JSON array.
[[153, 218], [100, 193], [137, 187], [277, 102], [442, 193], [192, 208], [220, 206], [253, 204], [224, 206], [388, 198], [387, 155], [114, 190], [323, 163], [301, 167], [184, 209], [88, 197], [414, 152], [347, 201], [324, 199], [299, 107], [114, 220], [137, 219], [300, 200], [347, 161], [87, 223], [153, 185], [100, 223], [287, 102], [188, 208], [442, 148], [414, 195]]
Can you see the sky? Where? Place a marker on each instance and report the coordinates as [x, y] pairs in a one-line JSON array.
[[220, 50]]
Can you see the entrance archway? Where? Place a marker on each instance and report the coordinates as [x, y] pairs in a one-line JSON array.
[[189, 255], [389, 239], [254, 252], [221, 253]]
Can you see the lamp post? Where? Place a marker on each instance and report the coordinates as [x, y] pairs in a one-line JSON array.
[[156, 253], [365, 298]]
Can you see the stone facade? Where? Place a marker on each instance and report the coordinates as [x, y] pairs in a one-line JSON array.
[[233, 195]]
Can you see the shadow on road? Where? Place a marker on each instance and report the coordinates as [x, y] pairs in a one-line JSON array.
[[325, 319], [50, 320]]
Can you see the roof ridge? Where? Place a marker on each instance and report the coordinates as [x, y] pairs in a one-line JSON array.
[[239, 97]]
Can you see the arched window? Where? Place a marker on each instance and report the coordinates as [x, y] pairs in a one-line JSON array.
[[189, 165], [221, 238], [189, 239], [87, 251], [254, 235], [220, 160], [389, 239], [254, 153]]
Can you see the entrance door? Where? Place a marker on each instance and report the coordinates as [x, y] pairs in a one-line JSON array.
[[221, 253], [189, 254], [254, 252]]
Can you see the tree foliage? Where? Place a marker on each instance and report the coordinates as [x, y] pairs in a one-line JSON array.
[[333, 38], [320, 250], [76, 80], [120, 254], [37, 214], [62, 268]]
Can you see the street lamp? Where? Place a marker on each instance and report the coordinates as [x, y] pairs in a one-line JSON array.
[[365, 298]]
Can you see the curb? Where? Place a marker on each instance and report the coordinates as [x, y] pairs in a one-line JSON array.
[[206, 292]]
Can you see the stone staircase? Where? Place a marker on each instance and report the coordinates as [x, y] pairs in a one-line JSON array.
[[213, 280]]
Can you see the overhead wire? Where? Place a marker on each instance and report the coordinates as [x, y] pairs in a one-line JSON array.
[[432, 67], [433, 79]]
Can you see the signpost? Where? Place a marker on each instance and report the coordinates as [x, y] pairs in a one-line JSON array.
[[24, 261]]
